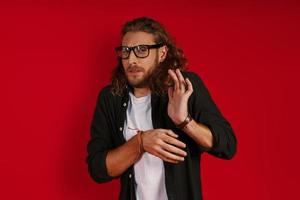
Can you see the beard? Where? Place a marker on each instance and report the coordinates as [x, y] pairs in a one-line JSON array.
[[139, 81]]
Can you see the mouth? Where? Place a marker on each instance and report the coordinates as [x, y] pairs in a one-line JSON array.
[[134, 74], [135, 70]]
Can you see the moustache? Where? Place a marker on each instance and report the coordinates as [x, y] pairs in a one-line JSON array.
[[135, 69]]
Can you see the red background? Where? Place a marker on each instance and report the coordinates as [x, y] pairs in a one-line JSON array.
[[56, 55]]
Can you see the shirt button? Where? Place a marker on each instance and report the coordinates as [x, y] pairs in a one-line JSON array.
[[121, 128], [124, 104], [129, 175]]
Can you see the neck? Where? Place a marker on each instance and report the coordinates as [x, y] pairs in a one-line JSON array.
[[141, 92]]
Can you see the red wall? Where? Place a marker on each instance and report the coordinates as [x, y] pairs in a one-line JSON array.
[[56, 56]]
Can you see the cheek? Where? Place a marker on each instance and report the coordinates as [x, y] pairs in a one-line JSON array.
[[125, 63], [151, 60], [147, 64]]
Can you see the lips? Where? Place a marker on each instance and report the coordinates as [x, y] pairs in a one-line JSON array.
[[134, 69]]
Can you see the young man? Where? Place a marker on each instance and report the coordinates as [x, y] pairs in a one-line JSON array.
[[154, 120]]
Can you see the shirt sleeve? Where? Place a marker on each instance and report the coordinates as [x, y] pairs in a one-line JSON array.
[[100, 142], [205, 111]]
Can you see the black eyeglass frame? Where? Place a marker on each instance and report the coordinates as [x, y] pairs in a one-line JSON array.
[[149, 46]]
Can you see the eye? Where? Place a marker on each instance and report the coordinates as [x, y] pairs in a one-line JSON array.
[[125, 49], [142, 48]]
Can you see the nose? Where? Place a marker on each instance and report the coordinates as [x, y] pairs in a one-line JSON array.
[[132, 58]]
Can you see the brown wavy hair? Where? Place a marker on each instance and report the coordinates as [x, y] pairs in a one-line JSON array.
[[159, 80]]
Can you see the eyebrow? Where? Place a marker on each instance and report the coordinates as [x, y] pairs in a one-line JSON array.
[[135, 45]]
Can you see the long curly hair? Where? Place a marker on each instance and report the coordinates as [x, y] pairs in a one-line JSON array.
[[159, 80]]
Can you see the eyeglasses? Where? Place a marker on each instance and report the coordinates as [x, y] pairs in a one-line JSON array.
[[140, 51]]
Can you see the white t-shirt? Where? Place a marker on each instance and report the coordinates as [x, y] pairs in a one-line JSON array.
[[149, 170]]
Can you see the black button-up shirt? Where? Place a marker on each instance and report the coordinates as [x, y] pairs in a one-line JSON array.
[[183, 179]]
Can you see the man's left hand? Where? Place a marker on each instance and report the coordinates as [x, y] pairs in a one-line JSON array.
[[179, 96]]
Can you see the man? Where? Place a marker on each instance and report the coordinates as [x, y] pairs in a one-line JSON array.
[[154, 120]]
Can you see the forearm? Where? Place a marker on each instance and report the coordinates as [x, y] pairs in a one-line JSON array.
[[120, 159], [199, 133]]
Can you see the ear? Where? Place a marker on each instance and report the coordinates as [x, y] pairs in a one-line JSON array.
[[162, 53]]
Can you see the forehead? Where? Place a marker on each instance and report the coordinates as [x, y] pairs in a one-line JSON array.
[[137, 38]]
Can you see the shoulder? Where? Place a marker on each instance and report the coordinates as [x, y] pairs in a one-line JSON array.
[[190, 74], [199, 87], [106, 90], [105, 94], [107, 97], [193, 77]]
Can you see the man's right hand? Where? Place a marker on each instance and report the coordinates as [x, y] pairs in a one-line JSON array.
[[163, 144]]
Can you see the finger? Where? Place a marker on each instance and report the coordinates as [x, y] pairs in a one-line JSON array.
[[173, 141], [171, 133], [173, 149], [174, 78], [170, 156], [189, 87], [170, 92], [169, 160], [182, 83], [158, 153], [165, 158]]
